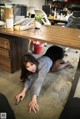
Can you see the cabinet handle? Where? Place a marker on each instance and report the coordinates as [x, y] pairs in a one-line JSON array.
[[9, 55], [6, 44]]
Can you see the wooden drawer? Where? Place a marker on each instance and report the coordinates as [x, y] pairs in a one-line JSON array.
[[4, 43], [12, 49], [5, 61], [5, 52], [5, 68]]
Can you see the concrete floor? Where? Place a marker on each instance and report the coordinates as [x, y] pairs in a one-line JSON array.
[[53, 95]]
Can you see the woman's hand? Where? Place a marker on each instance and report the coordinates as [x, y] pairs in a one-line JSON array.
[[33, 106], [20, 96]]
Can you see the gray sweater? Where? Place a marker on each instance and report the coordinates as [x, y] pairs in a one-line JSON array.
[[36, 80]]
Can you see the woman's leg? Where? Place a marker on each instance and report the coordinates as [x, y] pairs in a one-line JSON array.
[[58, 66]]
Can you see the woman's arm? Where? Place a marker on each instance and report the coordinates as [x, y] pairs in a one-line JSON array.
[[33, 105], [21, 95], [45, 64]]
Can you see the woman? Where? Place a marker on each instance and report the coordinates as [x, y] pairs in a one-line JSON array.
[[34, 70]]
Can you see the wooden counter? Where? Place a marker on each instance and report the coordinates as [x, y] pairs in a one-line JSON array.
[[52, 34]]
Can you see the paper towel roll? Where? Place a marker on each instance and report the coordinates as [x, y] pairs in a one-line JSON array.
[[9, 23], [9, 18]]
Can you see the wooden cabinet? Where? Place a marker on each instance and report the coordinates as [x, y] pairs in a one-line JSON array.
[[11, 51]]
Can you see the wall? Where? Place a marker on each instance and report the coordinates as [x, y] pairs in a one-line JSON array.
[[34, 3], [30, 3], [14, 1]]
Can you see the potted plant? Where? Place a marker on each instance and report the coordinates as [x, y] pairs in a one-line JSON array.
[[38, 21]]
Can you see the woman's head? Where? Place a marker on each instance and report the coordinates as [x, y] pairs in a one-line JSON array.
[[55, 53], [29, 65]]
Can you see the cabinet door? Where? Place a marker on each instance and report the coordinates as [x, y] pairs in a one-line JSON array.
[[4, 52], [5, 61], [12, 50], [4, 43]]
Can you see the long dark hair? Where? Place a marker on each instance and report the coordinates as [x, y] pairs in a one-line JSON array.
[[54, 53], [24, 72]]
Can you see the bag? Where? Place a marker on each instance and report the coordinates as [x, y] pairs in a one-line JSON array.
[[71, 109], [6, 111], [73, 22]]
